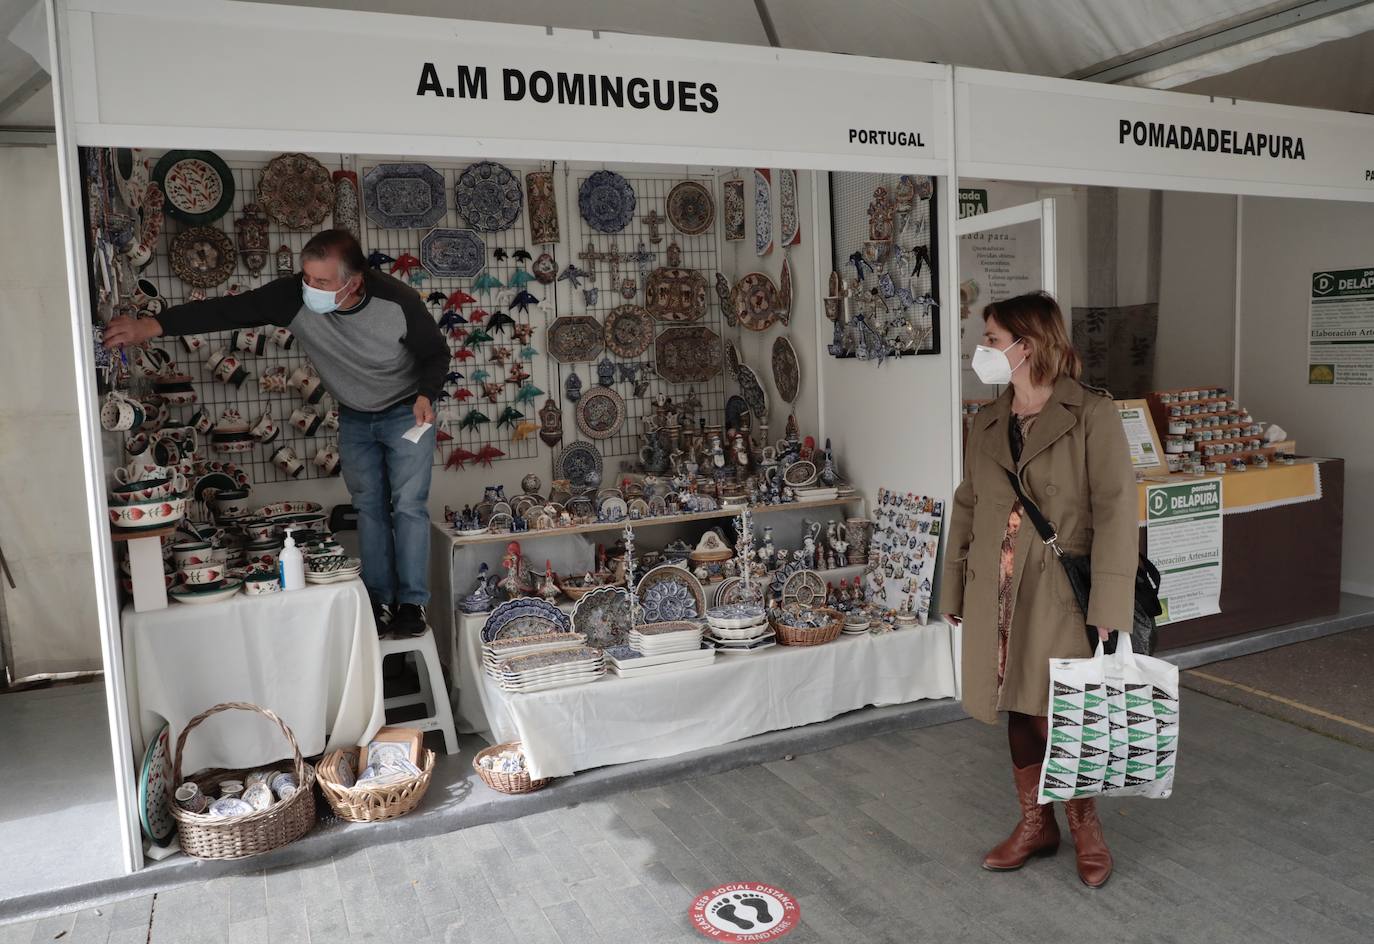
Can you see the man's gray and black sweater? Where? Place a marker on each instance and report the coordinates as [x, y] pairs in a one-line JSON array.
[[383, 351]]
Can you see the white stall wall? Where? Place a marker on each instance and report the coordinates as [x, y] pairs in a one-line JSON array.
[[1197, 292], [43, 529], [1283, 242]]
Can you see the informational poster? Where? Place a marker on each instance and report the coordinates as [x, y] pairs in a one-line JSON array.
[[1183, 528], [1340, 328], [972, 201], [993, 265], [1141, 439]]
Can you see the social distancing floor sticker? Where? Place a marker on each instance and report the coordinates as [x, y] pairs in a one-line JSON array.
[[745, 911]]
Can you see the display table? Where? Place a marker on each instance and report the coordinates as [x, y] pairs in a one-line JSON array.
[[310, 655], [615, 720]]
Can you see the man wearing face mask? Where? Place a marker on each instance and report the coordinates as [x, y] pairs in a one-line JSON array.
[[382, 357]]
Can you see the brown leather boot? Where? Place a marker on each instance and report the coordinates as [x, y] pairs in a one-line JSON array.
[[1036, 835], [1094, 859]]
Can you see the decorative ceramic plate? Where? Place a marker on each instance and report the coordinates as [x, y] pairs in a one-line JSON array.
[[732, 358], [668, 593], [206, 594], [673, 293], [730, 591], [579, 463], [629, 330], [202, 256], [600, 412], [752, 390], [404, 196], [691, 208], [523, 615], [785, 292], [735, 409], [197, 185], [575, 338], [800, 474], [155, 789], [755, 301], [296, 191], [453, 253], [805, 587], [606, 201], [604, 615], [786, 369], [687, 354], [488, 196]]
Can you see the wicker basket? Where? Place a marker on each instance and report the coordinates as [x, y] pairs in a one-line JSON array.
[[504, 782], [364, 804], [285, 821], [810, 635]]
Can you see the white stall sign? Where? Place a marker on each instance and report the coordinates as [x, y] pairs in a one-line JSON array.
[[1340, 328], [1183, 528]]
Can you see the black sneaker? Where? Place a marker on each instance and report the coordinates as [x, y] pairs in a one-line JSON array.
[[408, 620], [381, 615]]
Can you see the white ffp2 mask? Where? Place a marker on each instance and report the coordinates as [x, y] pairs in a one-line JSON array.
[[992, 366]]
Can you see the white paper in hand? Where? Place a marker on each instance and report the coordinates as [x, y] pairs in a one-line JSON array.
[[415, 432]]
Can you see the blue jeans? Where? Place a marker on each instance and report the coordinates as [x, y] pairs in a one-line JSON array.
[[388, 478]]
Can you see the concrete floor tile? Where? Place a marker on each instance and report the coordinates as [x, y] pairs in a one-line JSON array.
[[571, 925]]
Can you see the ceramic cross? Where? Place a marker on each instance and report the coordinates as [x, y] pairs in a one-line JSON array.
[[654, 221], [614, 258], [642, 257], [592, 257]]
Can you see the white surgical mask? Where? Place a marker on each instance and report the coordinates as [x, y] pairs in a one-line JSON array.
[[992, 366], [320, 301]]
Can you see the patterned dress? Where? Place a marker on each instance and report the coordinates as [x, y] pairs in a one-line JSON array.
[[1018, 431]]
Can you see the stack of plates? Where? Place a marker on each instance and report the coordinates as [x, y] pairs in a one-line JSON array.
[[627, 663], [765, 639], [498, 651], [855, 624], [656, 639], [739, 627], [817, 493], [334, 568], [540, 671]]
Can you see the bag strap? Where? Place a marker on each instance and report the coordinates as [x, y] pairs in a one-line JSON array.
[[1046, 531]]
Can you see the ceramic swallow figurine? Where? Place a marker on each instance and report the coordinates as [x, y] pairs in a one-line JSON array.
[[499, 254], [857, 260], [477, 336], [521, 278], [463, 354], [458, 458], [376, 259], [404, 264], [453, 377], [521, 256], [522, 302], [485, 282], [480, 376], [435, 298], [457, 300], [479, 315], [462, 394], [450, 319], [500, 322], [523, 429], [473, 419], [527, 393], [528, 352], [492, 390], [523, 333], [517, 374], [574, 275], [487, 453], [508, 417]]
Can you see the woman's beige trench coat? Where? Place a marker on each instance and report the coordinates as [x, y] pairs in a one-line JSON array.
[[1076, 466]]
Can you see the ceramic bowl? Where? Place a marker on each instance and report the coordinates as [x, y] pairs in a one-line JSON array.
[[261, 583], [144, 516], [148, 490], [203, 575], [230, 503], [191, 553]]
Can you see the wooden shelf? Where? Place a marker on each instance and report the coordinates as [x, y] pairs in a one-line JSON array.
[[133, 534], [460, 540]]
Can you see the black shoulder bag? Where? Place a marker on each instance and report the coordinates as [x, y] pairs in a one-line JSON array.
[[1080, 573]]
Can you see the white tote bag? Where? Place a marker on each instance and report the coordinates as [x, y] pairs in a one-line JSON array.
[[1113, 726]]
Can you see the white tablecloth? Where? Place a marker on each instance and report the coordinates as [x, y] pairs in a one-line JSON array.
[[309, 655], [615, 720]]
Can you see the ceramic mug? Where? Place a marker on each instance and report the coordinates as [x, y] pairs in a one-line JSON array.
[[230, 503], [198, 575], [150, 361], [202, 421], [167, 450], [306, 420], [176, 389], [331, 419], [120, 413], [142, 469], [283, 338], [261, 583], [227, 368], [194, 343], [265, 430], [327, 459], [156, 413], [250, 341], [287, 461], [190, 799]]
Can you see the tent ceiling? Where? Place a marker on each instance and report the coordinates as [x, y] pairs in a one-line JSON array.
[[1049, 37]]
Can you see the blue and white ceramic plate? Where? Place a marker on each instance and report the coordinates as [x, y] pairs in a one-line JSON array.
[[488, 196], [522, 617], [669, 593], [606, 201], [453, 253], [604, 615], [404, 196], [579, 463], [155, 789]]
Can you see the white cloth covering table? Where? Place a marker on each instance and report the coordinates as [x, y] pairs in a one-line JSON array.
[[309, 655], [616, 720]]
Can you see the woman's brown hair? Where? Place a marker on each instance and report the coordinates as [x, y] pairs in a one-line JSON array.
[[1035, 317]]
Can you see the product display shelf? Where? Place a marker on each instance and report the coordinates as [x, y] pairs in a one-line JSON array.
[[460, 540]]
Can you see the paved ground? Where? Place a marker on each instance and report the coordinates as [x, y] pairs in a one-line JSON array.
[[1268, 838]]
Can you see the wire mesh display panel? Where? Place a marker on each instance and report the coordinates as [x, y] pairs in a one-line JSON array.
[[613, 260], [851, 192]]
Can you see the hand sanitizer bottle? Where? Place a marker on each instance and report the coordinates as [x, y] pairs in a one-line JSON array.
[[291, 564]]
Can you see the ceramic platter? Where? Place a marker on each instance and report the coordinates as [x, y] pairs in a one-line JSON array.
[[155, 789], [672, 293], [579, 463], [604, 615], [202, 256], [732, 358], [786, 369], [198, 186], [524, 616], [572, 339], [691, 208], [629, 330], [404, 196], [729, 591], [752, 390], [805, 587], [296, 190], [488, 196], [453, 253], [800, 474], [606, 201], [600, 412], [687, 354], [755, 301], [785, 292], [668, 593]]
